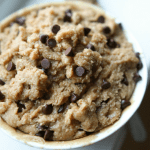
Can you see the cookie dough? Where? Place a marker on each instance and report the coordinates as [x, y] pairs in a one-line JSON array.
[[66, 72]]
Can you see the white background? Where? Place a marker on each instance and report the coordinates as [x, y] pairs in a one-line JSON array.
[[135, 16]]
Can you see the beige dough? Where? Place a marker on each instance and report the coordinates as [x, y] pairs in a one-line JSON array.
[[78, 104]]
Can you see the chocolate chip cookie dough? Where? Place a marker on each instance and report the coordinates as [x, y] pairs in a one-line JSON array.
[[65, 72]]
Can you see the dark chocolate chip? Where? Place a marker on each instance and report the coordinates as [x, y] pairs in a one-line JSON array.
[[90, 46], [68, 15], [111, 43], [137, 55], [47, 109], [101, 19], [137, 77], [74, 98], [41, 133], [139, 65], [51, 43], [106, 85], [2, 96], [67, 19], [20, 107], [11, 66], [44, 38], [20, 20], [42, 127], [125, 81], [88, 133], [61, 108], [48, 136], [106, 30], [124, 104], [69, 51], [2, 82], [86, 31], [45, 63], [80, 71], [55, 28], [120, 26]]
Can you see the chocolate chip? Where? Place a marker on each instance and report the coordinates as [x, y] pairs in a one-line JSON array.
[[80, 71], [90, 46], [47, 109], [137, 55], [106, 85], [44, 38], [2, 82], [88, 133], [48, 136], [51, 43], [106, 30], [137, 77], [2, 96], [20, 20], [125, 81], [55, 28], [124, 104], [67, 19], [111, 43], [42, 127], [120, 26], [139, 65], [11, 66], [86, 31], [45, 63], [101, 19], [61, 108], [74, 98], [41, 133], [20, 107], [69, 51], [68, 15]]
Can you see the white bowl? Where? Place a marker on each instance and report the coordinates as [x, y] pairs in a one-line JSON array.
[[136, 98]]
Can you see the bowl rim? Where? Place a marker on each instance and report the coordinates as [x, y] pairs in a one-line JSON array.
[[88, 140]]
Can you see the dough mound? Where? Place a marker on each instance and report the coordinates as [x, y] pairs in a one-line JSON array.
[[66, 72]]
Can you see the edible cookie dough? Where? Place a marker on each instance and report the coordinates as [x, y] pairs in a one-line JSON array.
[[65, 72]]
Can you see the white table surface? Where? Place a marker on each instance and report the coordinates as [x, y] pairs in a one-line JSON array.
[[134, 14]]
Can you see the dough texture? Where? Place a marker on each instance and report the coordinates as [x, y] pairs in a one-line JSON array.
[[64, 95]]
